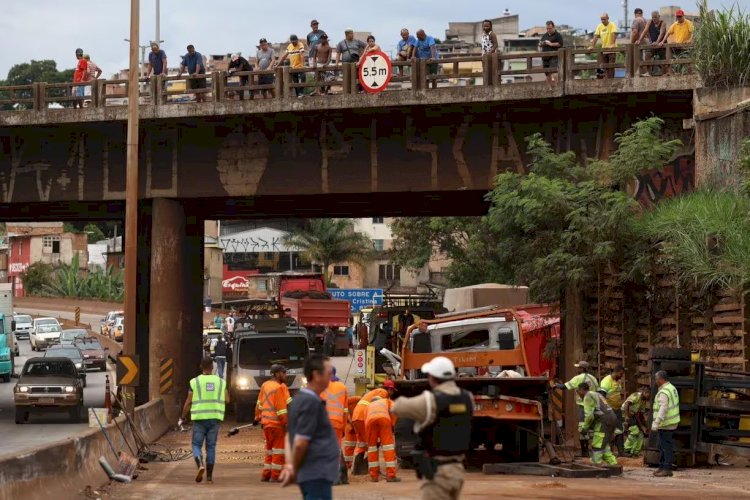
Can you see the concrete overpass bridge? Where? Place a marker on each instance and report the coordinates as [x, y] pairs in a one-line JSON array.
[[428, 147]]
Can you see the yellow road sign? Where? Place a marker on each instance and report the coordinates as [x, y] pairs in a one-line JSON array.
[[127, 370]]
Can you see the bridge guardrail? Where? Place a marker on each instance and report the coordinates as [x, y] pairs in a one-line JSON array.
[[417, 75]]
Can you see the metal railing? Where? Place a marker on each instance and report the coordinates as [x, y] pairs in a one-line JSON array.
[[627, 61]]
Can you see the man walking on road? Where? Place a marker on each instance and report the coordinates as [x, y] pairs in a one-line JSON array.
[[220, 353], [442, 419], [271, 412], [572, 384], [666, 415], [312, 446], [206, 401], [600, 420]]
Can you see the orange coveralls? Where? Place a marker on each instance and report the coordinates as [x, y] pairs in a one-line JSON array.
[[360, 414], [379, 427], [350, 435], [335, 397], [271, 410]]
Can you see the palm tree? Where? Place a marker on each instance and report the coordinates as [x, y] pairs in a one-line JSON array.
[[328, 241]]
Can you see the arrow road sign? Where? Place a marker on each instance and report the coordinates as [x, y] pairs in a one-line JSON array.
[[375, 72], [127, 370]]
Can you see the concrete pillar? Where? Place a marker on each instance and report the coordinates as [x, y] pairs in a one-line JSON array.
[[175, 316]]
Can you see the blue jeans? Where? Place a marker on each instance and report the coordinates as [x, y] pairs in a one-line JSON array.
[[221, 361], [208, 431], [317, 489], [666, 449]]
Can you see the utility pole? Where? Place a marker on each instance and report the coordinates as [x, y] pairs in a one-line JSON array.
[[131, 200], [625, 9], [158, 22]]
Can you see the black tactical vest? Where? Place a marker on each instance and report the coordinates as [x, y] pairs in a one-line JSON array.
[[451, 432]]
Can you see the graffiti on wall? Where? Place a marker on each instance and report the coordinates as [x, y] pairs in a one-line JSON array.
[[672, 180]]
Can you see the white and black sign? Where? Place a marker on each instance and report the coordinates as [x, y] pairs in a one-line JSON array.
[[375, 72]]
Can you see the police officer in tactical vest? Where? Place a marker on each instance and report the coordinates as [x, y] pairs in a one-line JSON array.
[[442, 419], [205, 402]]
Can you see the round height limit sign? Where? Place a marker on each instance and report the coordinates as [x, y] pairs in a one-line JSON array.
[[375, 72]]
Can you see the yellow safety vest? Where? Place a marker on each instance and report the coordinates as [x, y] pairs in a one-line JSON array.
[[672, 417], [208, 398]]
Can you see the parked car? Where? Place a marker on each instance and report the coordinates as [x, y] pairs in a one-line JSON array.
[[94, 355], [45, 332], [24, 325], [118, 330], [69, 337], [49, 384], [108, 322], [72, 353]]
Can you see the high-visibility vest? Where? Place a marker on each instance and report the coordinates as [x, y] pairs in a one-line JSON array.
[[379, 409], [614, 391], [672, 417], [360, 411], [272, 404], [209, 398], [336, 403], [573, 384]]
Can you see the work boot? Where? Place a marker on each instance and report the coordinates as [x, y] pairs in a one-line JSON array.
[[209, 473], [584, 448], [360, 468], [393, 480], [663, 473]]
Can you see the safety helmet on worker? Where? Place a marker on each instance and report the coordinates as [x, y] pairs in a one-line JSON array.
[[440, 367]]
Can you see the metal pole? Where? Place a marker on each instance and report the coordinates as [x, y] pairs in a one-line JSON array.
[[625, 9], [158, 21], [131, 198]]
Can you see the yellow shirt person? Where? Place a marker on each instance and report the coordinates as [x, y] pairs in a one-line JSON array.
[[681, 32], [607, 33]]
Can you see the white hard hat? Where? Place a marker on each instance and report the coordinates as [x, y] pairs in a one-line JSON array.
[[440, 367]]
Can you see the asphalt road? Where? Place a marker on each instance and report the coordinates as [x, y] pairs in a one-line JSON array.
[[43, 429]]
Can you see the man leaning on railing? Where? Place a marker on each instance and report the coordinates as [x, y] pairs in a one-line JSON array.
[[681, 31]]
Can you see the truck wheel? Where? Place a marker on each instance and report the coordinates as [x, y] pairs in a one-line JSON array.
[[22, 416], [75, 415]]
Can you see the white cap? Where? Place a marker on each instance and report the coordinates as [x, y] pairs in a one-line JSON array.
[[440, 367]]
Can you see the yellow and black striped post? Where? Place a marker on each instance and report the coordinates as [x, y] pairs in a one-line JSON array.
[[166, 373], [78, 316]]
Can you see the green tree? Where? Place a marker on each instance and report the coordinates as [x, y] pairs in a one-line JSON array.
[[36, 277], [329, 241], [94, 232], [44, 71]]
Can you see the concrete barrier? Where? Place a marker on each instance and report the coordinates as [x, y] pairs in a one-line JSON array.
[[63, 469]]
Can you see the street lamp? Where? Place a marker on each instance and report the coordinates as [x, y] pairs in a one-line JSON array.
[[143, 57]]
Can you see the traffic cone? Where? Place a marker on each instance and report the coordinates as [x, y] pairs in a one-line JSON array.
[[107, 397]]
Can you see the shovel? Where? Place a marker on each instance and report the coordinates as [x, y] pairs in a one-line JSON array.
[[235, 430]]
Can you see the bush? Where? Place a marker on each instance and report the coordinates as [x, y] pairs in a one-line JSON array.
[[36, 277], [722, 47]]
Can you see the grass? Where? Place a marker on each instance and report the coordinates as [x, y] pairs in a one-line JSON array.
[[722, 46]]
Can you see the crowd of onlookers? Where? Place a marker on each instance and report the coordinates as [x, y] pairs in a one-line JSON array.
[[316, 51]]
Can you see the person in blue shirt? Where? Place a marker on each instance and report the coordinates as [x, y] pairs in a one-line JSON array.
[[426, 49], [193, 61], [405, 47], [218, 321]]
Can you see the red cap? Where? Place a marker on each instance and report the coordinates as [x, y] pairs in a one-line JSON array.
[[388, 384], [680, 13]]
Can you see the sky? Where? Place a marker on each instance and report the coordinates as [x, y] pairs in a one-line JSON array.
[[53, 29]]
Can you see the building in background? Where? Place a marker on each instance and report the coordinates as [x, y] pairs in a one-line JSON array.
[[213, 263], [32, 242]]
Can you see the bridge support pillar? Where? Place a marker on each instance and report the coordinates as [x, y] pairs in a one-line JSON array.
[[175, 306]]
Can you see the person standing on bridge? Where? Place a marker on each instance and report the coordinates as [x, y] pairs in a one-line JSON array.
[[321, 55], [193, 62], [427, 49], [607, 33], [157, 61], [205, 403], [271, 412], [551, 41], [656, 31], [265, 57], [489, 38], [295, 51], [80, 75], [405, 48], [314, 38]]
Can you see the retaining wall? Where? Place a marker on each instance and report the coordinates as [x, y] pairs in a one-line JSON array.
[[63, 469]]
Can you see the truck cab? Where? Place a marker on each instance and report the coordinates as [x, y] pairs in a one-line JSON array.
[[255, 348], [499, 355]]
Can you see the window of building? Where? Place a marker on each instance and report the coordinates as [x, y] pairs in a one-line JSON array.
[[377, 220], [378, 244], [389, 272], [341, 270], [51, 244]]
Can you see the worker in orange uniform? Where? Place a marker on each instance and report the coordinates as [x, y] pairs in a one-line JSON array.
[[336, 397], [379, 426], [358, 422], [350, 435], [271, 411]]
